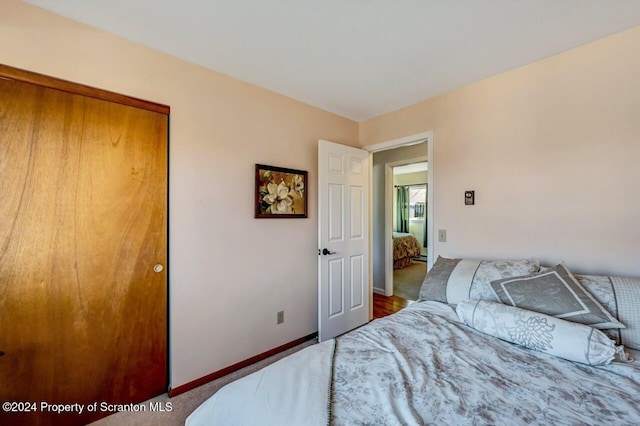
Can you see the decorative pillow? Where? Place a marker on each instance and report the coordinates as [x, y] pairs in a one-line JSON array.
[[454, 280], [600, 287], [621, 297], [554, 292], [568, 340]]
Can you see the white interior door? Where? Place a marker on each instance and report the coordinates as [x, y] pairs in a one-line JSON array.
[[343, 237]]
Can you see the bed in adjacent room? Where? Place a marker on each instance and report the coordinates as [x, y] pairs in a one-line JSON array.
[[405, 248], [507, 356]]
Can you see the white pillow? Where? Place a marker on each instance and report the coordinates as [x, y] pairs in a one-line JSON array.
[[544, 333]]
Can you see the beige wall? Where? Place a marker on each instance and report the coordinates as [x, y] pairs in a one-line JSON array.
[[229, 273], [552, 150]]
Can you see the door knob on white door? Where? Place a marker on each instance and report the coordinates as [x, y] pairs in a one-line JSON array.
[[326, 252]]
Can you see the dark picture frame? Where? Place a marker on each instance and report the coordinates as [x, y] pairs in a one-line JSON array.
[[280, 193]]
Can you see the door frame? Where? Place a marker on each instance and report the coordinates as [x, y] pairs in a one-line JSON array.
[[388, 213], [388, 219]]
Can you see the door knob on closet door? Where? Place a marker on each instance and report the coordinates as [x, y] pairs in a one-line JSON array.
[[158, 268], [326, 252]]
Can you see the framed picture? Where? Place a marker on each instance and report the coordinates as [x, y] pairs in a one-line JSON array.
[[280, 192]]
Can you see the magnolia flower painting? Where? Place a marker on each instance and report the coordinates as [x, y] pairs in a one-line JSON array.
[[280, 192]]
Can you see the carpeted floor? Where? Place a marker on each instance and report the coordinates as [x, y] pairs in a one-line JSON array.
[[184, 404], [407, 281]]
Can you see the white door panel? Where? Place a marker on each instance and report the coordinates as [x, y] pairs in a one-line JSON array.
[[343, 230]]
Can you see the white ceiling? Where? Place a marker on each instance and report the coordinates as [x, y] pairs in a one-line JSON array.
[[357, 58]]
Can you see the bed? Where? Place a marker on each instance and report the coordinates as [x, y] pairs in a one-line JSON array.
[[437, 362], [405, 248]]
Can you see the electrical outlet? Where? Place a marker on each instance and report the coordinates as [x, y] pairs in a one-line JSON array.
[[442, 235], [280, 317]]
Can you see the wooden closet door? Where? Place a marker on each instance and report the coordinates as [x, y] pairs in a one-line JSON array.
[[83, 222]]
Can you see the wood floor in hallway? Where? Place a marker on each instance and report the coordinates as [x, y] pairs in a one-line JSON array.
[[383, 306]]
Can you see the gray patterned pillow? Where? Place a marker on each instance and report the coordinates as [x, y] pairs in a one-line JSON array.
[[621, 297], [454, 280], [554, 292]]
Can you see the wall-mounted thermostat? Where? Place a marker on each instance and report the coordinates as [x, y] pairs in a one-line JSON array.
[[469, 198]]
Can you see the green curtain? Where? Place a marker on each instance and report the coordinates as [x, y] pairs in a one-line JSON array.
[[402, 209]]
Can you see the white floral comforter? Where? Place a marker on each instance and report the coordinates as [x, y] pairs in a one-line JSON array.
[[422, 366]]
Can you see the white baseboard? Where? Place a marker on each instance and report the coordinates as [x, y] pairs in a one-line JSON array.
[[378, 291]]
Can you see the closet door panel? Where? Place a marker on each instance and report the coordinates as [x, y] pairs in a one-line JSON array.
[[83, 220]]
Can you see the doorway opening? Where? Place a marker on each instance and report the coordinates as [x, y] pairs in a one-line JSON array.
[[409, 211], [388, 155]]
